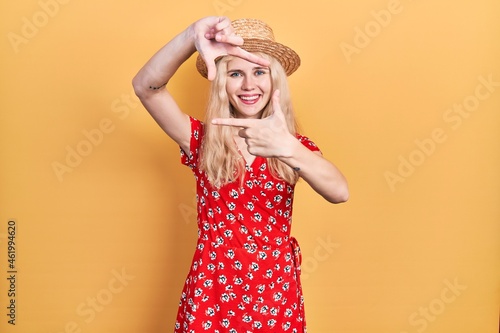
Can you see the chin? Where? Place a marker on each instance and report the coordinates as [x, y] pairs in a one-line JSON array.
[[242, 113]]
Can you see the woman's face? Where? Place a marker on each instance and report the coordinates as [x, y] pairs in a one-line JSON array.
[[248, 87]]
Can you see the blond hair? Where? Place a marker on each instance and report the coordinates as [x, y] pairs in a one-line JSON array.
[[220, 158]]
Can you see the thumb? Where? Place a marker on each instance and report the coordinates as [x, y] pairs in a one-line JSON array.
[[209, 61], [276, 102], [278, 122], [211, 70]]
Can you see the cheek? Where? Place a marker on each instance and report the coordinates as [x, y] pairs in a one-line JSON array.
[[230, 92], [231, 88], [269, 85]]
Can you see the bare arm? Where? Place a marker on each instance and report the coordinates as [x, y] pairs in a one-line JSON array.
[[149, 85], [212, 37], [322, 175]]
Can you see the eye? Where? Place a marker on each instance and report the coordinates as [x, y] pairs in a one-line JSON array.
[[234, 74], [260, 72]]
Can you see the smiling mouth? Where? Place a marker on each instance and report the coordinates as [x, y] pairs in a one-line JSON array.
[[249, 99]]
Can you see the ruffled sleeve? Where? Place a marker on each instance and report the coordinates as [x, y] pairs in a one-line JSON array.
[[308, 143], [191, 158]]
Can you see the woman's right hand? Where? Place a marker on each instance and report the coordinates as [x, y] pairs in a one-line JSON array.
[[214, 37]]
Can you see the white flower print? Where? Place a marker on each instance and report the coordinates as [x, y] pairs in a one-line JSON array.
[[224, 297], [234, 194]]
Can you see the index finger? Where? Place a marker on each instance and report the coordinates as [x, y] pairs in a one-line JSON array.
[[235, 122], [224, 33], [224, 23], [241, 53], [229, 39]]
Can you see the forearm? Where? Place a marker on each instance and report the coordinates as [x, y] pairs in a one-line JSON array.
[[322, 175], [162, 66]]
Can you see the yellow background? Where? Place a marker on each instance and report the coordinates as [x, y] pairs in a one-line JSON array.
[[381, 263]]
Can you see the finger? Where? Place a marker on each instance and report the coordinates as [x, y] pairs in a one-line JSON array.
[[276, 104], [224, 23], [221, 26], [243, 133], [278, 122], [225, 32], [229, 39], [211, 69], [276, 101], [235, 122], [210, 34], [276, 98], [239, 52]]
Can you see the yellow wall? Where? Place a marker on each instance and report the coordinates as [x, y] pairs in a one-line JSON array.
[[395, 92]]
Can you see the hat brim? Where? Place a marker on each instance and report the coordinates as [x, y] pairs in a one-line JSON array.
[[288, 58]]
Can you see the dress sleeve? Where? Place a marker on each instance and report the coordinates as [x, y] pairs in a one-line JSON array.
[[191, 158], [308, 143]]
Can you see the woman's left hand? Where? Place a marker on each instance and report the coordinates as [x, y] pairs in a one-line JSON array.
[[215, 37], [267, 137]]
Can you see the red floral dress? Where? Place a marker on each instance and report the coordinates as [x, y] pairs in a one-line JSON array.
[[245, 274]]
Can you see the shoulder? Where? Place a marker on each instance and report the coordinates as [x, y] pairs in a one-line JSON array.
[[196, 124], [197, 128], [307, 142]]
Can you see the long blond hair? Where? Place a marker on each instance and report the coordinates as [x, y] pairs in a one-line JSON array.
[[220, 157]]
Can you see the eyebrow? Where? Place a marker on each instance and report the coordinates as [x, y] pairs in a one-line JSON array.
[[254, 68]]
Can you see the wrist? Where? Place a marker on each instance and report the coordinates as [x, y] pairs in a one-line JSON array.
[[190, 34], [289, 148]]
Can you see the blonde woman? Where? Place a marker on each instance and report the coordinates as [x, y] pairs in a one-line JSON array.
[[246, 158]]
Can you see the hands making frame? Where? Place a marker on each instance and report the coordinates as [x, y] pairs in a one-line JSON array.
[[265, 137]]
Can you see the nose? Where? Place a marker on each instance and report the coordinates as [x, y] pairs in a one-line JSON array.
[[248, 83]]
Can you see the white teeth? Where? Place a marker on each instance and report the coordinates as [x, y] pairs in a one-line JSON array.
[[249, 98]]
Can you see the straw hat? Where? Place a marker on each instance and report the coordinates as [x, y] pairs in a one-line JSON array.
[[259, 37]]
